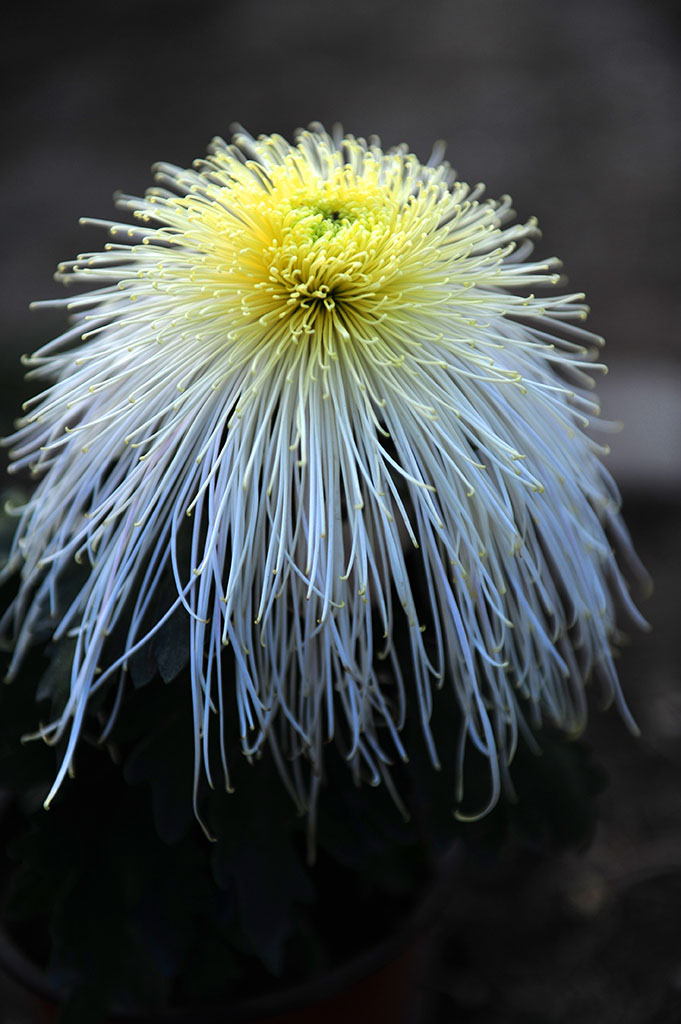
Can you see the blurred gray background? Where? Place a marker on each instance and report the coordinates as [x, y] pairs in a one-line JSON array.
[[572, 108]]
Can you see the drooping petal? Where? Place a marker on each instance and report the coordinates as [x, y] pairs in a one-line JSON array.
[[313, 384]]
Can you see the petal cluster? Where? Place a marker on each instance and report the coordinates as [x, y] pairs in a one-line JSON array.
[[312, 382]]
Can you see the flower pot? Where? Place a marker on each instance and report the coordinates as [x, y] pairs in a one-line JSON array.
[[378, 985], [382, 997]]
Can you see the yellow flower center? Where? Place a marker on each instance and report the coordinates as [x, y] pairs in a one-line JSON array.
[[328, 250]]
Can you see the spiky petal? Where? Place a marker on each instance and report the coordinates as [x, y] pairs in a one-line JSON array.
[[331, 358]]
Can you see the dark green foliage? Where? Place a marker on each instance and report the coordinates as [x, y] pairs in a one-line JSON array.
[[140, 906], [120, 893], [164, 759]]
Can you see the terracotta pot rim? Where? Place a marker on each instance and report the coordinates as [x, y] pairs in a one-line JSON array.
[[326, 986]]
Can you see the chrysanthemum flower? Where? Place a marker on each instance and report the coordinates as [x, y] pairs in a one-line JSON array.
[[314, 384]]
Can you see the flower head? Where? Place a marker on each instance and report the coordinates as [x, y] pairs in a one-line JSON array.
[[313, 384]]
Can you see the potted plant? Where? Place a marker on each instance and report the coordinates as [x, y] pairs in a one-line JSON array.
[[319, 555]]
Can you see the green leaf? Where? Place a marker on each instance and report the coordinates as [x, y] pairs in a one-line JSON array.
[[165, 760], [257, 855], [171, 646]]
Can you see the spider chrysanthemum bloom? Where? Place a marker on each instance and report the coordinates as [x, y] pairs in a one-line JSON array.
[[331, 359]]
